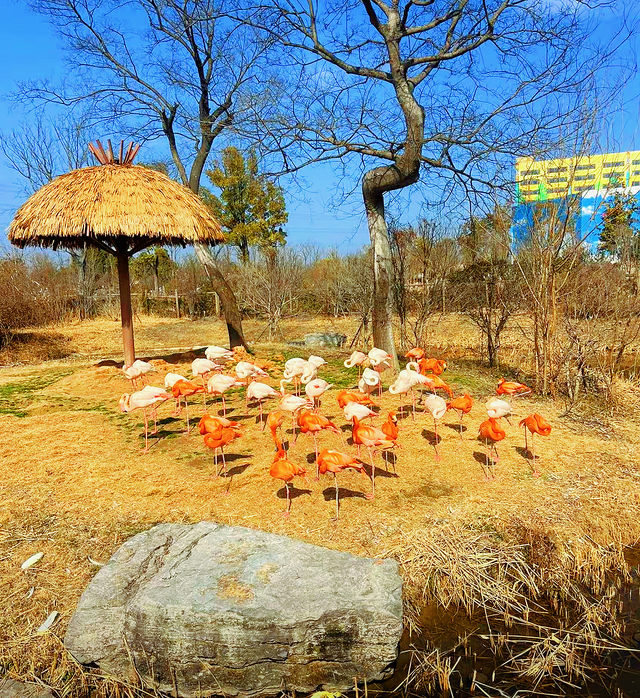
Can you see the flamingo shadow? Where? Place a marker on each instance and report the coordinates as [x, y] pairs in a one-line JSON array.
[[525, 453], [430, 436], [457, 427], [236, 470], [329, 494], [294, 492]]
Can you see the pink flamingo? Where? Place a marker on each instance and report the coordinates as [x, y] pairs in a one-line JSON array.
[[218, 384], [202, 367], [136, 370], [143, 399], [259, 392]]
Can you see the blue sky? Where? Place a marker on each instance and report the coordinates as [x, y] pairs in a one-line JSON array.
[[30, 49]]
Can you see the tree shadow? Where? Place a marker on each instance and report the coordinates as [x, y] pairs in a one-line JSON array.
[[294, 492], [481, 458], [177, 357]]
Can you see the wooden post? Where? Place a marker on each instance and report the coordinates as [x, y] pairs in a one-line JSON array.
[[125, 307], [177, 305]]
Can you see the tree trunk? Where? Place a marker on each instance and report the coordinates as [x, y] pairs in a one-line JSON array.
[[126, 313], [382, 311], [232, 315]]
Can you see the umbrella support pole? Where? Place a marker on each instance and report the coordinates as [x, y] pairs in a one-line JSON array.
[[125, 307]]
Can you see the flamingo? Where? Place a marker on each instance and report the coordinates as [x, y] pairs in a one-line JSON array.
[[415, 354], [201, 367], [491, 431], [259, 392], [362, 412], [293, 370], [435, 366], [136, 370], [497, 408], [438, 407], [274, 422], [536, 424], [358, 358], [143, 399], [315, 389], [312, 423], [212, 423], [214, 352], [371, 438], [219, 383], [512, 388], [181, 390], [462, 405], [169, 381], [330, 461], [369, 382], [390, 428], [380, 361], [406, 381], [247, 371], [345, 396], [292, 403], [439, 384], [283, 469], [310, 371], [218, 440]]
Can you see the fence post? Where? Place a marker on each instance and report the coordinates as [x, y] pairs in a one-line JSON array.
[[177, 305]]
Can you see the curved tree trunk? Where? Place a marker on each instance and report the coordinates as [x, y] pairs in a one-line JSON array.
[[382, 311], [220, 285]]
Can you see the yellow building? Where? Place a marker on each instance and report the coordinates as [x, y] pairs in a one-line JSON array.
[[588, 175]]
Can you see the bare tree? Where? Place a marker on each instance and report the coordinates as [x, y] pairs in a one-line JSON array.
[[451, 86], [180, 70]]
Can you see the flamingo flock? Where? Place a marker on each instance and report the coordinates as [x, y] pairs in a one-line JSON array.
[[223, 370]]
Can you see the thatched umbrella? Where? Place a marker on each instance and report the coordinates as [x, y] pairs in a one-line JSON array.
[[120, 208]]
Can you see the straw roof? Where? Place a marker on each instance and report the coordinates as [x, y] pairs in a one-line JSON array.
[[104, 204]]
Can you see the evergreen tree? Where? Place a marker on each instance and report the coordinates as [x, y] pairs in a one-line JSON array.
[[250, 207]]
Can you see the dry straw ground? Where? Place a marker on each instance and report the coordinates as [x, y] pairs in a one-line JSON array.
[[74, 485]]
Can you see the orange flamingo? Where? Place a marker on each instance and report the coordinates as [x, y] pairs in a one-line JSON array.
[[312, 423], [218, 440], [439, 384], [182, 390], [330, 461], [512, 388], [415, 354], [283, 469], [274, 422], [390, 429], [536, 424], [491, 431], [345, 396], [462, 405], [371, 438], [435, 366], [212, 423]]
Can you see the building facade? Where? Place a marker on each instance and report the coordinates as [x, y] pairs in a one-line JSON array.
[[584, 185]]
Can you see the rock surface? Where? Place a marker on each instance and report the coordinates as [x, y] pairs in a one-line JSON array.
[[324, 339], [218, 609], [9, 688]]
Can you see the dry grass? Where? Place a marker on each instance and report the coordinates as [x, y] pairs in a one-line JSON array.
[[74, 485]]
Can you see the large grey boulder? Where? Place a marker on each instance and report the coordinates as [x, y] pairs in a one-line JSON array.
[[9, 688], [214, 609]]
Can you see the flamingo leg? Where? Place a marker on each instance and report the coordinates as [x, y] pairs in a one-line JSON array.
[[315, 443], [435, 446], [288, 509], [335, 483], [261, 422], [536, 472], [526, 445], [413, 404], [460, 425], [373, 473], [224, 462], [146, 432], [204, 392], [215, 460], [186, 408]]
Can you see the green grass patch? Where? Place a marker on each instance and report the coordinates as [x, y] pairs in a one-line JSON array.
[[16, 398]]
